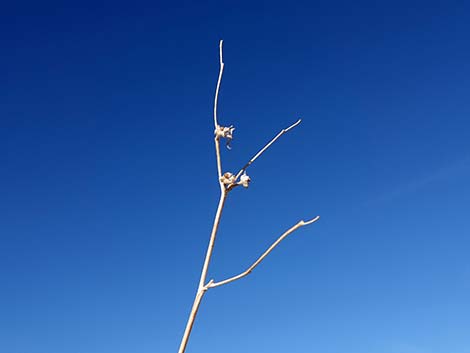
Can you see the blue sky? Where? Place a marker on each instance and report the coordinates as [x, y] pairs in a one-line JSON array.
[[108, 185]]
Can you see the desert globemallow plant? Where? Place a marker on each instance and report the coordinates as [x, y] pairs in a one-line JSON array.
[[227, 182]]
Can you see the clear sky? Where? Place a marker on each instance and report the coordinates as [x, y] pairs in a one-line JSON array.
[[108, 178]]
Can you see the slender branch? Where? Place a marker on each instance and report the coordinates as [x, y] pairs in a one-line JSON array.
[[223, 194], [216, 124], [210, 247], [261, 151], [190, 323], [219, 162], [300, 224]]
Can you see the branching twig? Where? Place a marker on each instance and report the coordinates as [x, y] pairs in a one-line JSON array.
[[227, 181], [300, 224], [261, 151]]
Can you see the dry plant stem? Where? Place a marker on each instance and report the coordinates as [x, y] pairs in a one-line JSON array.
[[221, 71], [219, 163], [216, 123], [203, 288], [223, 194], [224, 190], [192, 316], [300, 224], [210, 248], [261, 151]]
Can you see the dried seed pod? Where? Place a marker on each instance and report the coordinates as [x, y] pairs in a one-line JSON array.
[[244, 180], [227, 178], [226, 133]]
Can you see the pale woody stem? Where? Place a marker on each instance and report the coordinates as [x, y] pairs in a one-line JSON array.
[[192, 316], [202, 288], [223, 194], [216, 97], [210, 248]]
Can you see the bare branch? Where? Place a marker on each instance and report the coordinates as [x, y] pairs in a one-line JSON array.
[[227, 181], [216, 124], [300, 224], [210, 248], [223, 194], [192, 316], [261, 151], [219, 160]]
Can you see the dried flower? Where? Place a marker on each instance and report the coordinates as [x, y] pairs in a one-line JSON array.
[[244, 180], [226, 133], [227, 178]]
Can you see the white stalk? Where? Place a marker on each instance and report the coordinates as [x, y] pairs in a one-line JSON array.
[[202, 288]]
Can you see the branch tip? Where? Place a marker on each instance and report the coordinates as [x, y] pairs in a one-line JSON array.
[[306, 223], [293, 125], [220, 49]]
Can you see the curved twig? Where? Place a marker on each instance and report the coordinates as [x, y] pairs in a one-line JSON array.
[[221, 71], [300, 224], [261, 151], [216, 123]]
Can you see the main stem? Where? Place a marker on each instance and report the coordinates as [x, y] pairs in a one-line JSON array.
[[202, 289]]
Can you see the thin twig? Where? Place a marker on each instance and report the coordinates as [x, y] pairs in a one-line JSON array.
[[216, 124], [210, 247], [261, 151], [219, 162], [300, 224]]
